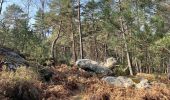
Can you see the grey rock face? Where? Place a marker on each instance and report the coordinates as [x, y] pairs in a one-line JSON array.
[[12, 57], [92, 66], [120, 81]]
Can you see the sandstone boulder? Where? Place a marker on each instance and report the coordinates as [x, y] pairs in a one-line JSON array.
[[8, 55], [93, 66], [120, 81]]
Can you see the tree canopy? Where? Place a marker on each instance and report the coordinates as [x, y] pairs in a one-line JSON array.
[[135, 32]]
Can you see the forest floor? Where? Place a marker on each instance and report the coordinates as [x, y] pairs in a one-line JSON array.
[[71, 83]]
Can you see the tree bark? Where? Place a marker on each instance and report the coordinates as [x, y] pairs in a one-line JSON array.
[[80, 32]]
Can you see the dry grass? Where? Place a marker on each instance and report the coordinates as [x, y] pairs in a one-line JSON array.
[[19, 85], [71, 84], [76, 84], [102, 91], [146, 76]]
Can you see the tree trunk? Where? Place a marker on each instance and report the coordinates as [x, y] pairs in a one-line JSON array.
[[80, 33], [105, 51], [53, 44], [140, 66], [73, 45], [136, 65], [1, 3], [168, 71], [123, 31], [128, 56], [96, 51], [126, 48], [42, 11]]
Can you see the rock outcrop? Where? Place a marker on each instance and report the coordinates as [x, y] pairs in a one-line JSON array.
[[120, 81], [93, 66], [11, 56]]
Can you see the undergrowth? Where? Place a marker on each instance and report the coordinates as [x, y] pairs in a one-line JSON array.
[[70, 83], [19, 85]]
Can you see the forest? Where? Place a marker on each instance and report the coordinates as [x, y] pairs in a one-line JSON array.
[[85, 49]]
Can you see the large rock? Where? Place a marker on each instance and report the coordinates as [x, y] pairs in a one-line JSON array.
[[144, 83], [120, 81], [11, 56], [93, 66]]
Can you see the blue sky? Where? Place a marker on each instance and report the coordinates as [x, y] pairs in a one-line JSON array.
[[32, 10], [20, 3]]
